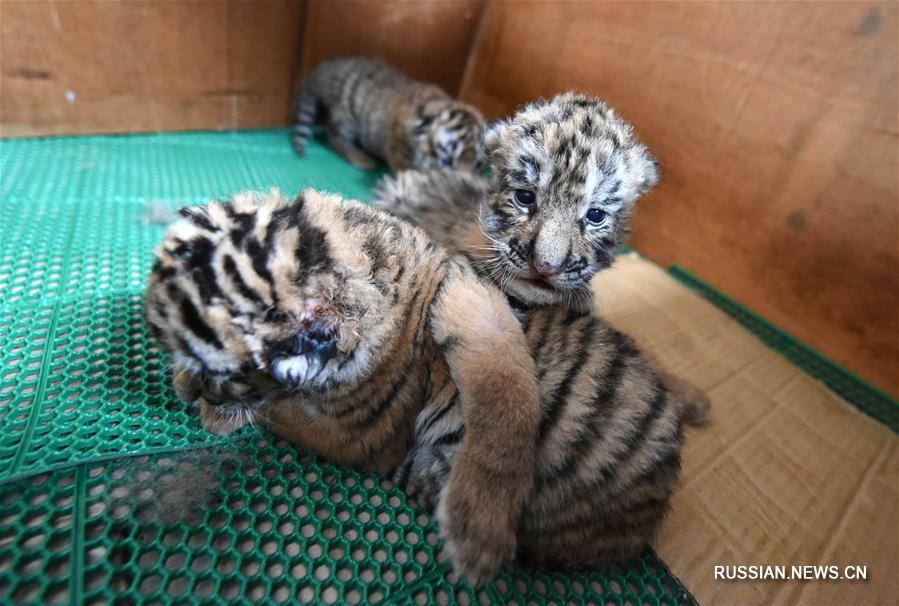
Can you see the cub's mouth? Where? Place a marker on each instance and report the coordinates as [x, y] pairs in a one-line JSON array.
[[300, 359], [539, 283]]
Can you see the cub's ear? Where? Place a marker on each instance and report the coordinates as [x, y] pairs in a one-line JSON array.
[[647, 171], [421, 124], [420, 120], [494, 136]]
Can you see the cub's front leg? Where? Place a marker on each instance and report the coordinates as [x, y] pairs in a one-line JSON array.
[[219, 418], [493, 471]]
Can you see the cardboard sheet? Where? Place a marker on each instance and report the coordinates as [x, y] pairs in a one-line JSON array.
[[787, 473]]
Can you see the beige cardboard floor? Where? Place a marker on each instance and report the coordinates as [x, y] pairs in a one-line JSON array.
[[787, 473]]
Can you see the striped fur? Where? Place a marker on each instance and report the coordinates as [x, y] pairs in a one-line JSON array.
[[374, 111], [610, 432], [584, 170], [333, 324], [608, 449]]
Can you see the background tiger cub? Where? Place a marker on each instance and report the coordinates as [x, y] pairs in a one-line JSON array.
[[566, 174], [333, 324], [374, 111]]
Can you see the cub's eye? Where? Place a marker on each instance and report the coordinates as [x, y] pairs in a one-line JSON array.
[[595, 216], [525, 198]]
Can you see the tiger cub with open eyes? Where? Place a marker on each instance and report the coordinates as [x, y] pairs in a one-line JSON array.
[[565, 176], [374, 111], [332, 324]]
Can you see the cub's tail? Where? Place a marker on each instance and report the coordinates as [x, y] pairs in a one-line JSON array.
[[307, 108], [319, 81], [694, 404]]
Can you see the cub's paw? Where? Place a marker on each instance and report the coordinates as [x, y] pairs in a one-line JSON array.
[[223, 420], [421, 492], [423, 474], [188, 385], [478, 536]]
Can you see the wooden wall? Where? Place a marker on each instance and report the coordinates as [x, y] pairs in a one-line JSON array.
[[427, 39], [107, 67], [776, 127], [775, 123]]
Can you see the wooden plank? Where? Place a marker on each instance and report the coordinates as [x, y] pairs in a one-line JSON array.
[[786, 473], [107, 67], [427, 39], [776, 127]]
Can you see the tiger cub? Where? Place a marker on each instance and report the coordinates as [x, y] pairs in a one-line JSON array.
[[565, 176], [374, 111], [332, 324]]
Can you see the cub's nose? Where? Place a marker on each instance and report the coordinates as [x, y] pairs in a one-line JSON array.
[[545, 270], [298, 360], [316, 341]]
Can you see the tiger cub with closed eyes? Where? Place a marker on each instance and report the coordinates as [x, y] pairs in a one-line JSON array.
[[374, 111], [565, 176], [332, 324]]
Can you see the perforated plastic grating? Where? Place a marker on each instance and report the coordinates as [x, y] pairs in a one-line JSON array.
[[90, 429]]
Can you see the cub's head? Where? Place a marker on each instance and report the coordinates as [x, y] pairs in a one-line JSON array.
[[261, 295], [447, 134], [566, 175]]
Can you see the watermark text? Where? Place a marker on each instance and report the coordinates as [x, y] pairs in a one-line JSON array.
[[800, 572]]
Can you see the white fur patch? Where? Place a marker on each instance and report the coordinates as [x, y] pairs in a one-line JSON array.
[[295, 369]]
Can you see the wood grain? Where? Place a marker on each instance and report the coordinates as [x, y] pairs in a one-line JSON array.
[[105, 67], [428, 39], [776, 127]]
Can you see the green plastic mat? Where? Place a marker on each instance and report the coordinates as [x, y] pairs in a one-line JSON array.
[[852, 388], [87, 414]]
